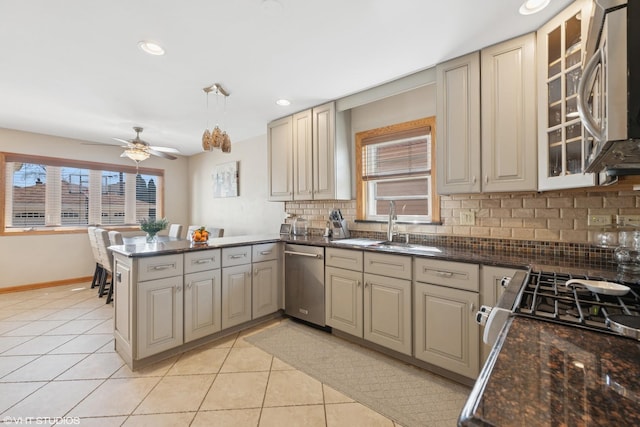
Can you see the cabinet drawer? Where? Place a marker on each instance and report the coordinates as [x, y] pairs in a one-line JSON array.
[[388, 265], [158, 267], [236, 256], [266, 252], [201, 261], [452, 274], [344, 258]]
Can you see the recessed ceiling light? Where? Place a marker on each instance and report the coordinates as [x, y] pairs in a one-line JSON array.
[[283, 102], [530, 7], [152, 48]]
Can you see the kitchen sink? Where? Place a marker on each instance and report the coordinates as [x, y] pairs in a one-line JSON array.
[[392, 246], [405, 247]]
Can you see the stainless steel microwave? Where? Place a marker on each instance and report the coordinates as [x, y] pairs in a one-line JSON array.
[[609, 90]]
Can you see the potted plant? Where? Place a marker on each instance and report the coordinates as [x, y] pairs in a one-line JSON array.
[[152, 226]]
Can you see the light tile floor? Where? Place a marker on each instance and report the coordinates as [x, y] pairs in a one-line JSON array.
[[57, 362]]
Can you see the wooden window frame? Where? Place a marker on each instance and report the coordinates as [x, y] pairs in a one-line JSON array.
[[55, 161], [388, 132]]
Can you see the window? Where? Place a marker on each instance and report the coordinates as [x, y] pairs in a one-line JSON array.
[[395, 163], [49, 193]]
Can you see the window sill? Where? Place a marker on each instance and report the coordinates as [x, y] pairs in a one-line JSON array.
[[370, 221], [33, 231]]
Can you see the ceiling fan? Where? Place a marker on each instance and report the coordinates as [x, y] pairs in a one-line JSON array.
[[138, 150]]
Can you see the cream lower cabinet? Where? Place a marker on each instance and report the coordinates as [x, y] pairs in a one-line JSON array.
[[387, 301], [445, 303], [344, 296], [236, 285], [265, 288], [202, 294], [159, 315]]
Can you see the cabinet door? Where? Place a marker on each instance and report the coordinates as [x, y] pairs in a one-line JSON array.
[[343, 296], [387, 312], [509, 144], [266, 280], [561, 136], [236, 295], [280, 153], [123, 310], [159, 315], [458, 117], [302, 156], [490, 291], [446, 333], [202, 304], [324, 155]]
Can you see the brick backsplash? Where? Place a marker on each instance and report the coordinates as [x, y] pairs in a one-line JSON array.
[[538, 217]]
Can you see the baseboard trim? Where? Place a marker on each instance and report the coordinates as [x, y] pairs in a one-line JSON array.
[[45, 284]]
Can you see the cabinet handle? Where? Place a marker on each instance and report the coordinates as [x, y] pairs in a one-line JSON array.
[[473, 307], [473, 180], [358, 283], [119, 277], [162, 267], [265, 253], [178, 289], [366, 284], [486, 179], [203, 261], [238, 256], [444, 273], [189, 285]]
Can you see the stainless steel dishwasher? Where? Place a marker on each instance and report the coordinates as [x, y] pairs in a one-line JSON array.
[[304, 283]]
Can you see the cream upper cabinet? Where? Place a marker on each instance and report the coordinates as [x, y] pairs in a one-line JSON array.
[[302, 156], [309, 155], [508, 111], [561, 145], [458, 119], [280, 155], [331, 158]]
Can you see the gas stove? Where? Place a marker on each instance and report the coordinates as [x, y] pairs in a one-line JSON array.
[[546, 296]]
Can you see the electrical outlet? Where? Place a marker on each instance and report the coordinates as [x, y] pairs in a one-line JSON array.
[[599, 220], [628, 220], [467, 218]]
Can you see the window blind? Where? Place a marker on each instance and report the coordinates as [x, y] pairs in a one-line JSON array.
[[404, 156]]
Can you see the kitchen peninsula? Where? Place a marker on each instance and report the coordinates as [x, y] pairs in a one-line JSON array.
[[175, 295]]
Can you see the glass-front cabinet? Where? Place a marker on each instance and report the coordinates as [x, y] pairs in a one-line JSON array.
[[561, 136]]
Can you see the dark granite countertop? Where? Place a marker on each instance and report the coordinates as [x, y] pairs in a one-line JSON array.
[[548, 374], [560, 264]]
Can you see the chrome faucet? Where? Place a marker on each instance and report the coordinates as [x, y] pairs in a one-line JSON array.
[[392, 220]]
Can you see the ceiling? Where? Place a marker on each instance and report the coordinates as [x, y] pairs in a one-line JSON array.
[[72, 68]]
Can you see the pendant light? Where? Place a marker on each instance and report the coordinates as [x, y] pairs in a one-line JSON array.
[[216, 138]]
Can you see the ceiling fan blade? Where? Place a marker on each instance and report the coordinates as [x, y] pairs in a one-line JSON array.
[[164, 149], [161, 154], [125, 141]]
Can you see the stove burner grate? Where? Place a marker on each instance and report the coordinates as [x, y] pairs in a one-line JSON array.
[[546, 296]]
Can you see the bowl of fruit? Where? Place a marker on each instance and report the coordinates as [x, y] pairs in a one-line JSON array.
[[200, 235]]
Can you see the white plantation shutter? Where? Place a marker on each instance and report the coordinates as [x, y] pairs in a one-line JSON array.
[[95, 197], [130, 198], [53, 196], [8, 194]]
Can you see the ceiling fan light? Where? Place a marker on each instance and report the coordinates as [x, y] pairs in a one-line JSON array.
[[136, 154], [152, 48]]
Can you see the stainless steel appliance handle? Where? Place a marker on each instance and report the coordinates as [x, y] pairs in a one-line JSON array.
[[303, 254], [583, 109]]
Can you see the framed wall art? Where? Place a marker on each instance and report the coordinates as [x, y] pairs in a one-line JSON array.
[[225, 180]]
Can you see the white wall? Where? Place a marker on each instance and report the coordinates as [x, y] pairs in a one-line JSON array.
[[26, 260], [250, 212], [412, 105]]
